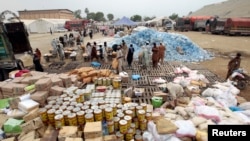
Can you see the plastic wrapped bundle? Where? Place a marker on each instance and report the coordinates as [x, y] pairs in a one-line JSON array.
[[190, 52]]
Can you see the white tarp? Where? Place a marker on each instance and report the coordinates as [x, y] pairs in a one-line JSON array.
[[44, 25]]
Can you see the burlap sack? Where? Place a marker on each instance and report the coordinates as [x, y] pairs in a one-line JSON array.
[[165, 126]]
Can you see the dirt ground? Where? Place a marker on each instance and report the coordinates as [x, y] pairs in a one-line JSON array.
[[223, 47]]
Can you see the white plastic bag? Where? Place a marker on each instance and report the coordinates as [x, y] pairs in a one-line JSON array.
[[245, 106], [208, 112], [186, 128]]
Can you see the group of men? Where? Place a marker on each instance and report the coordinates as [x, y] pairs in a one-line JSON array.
[[158, 54]]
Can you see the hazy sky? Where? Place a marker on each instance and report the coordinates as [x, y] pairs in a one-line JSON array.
[[118, 8]]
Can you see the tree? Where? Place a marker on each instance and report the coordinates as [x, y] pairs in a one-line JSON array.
[[110, 17], [91, 16], [190, 13], [99, 16], [86, 11], [173, 16], [77, 14], [148, 18], [136, 18]]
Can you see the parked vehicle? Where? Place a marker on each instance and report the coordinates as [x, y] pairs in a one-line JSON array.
[[188, 23], [200, 25], [76, 25], [217, 26], [15, 49], [237, 26], [182, 24]]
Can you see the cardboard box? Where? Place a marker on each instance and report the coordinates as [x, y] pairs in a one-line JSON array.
[[17, 79], [165, 96], [43, 84], [8, 87], [66, 80], [57, 81], [50, 136], [95, 139], [40, 97], [110, 138], [56, 91], [26, 80], [31, 115], [19, 88], [7, 94], [73, 139], [67, 131], [92, 130], [9, 139], [139, 91], [14, 102], [28, 105], [34, 79]]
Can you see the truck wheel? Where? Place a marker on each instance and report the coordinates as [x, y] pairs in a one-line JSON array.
[[200, 29]]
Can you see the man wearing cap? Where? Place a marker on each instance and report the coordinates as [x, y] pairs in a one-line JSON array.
[[120, 58]]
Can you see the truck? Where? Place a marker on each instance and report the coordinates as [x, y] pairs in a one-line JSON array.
[[188, 23], [217, 26], [15, 49], [237, 26], [76, 25]]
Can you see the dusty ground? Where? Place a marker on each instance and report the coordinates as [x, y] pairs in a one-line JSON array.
[[224, 48]]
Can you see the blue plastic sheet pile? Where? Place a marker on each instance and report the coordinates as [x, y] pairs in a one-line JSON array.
[[173, 41]]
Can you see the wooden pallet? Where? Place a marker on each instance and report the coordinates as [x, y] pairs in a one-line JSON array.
[[141, 82], [213, 79], [206, 72], [105, 66], [84, 64]]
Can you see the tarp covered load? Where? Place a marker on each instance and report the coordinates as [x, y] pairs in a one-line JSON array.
[[179, 47]]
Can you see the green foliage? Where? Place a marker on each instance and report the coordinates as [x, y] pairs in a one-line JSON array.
[[91, 15], [136, 18], [86, 11], [110, 17], [173, 16], [77, 14], [99, 16]]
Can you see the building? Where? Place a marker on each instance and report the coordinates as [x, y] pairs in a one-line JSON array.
[[48, 14]]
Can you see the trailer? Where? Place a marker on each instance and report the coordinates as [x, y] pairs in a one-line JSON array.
[[191, 23], [15, 48], [237, 26]]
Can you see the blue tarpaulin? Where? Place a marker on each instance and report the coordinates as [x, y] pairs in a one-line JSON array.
[[125, 21], [191, 51]]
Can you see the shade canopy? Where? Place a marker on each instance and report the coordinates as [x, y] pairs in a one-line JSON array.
[[125, 21]]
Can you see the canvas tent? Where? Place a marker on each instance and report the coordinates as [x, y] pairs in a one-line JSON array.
[[44, 25], [159, 21], [124, 21]]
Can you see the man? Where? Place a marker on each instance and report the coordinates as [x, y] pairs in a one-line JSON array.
[[120, 58], [155, 55], [175, 90], [161, 53], [144, 56], [124, 49], [130, 55], [233, 65]]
